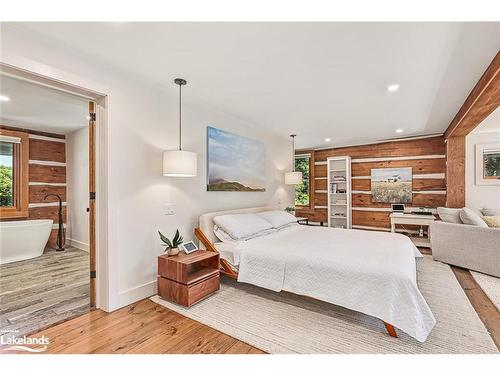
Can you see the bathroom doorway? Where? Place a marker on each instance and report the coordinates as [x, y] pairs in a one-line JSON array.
[[47, 197]]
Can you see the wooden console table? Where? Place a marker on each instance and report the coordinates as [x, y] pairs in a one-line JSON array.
[[412, 219], [188, 278]]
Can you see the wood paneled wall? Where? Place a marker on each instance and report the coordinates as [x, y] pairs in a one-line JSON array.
[[426, 157], [47, 175]]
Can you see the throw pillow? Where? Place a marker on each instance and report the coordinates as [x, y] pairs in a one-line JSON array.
[[492, 221], [450, 215], [491, 211], [469, 217]]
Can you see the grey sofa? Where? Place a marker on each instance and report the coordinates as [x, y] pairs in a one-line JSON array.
[[468, 246]]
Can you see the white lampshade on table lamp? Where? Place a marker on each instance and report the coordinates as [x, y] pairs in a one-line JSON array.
[[179, 163], [293, 178]]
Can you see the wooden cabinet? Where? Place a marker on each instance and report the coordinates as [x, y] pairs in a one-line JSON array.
[[188, 278]]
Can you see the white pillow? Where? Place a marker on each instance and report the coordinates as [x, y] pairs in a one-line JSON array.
[[221, 235], [450, 215], [226, 238], [491, 211], [278, 219], [469, 217], [242, 226]]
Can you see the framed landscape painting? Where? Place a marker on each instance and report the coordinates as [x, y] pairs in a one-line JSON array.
[[392, 185], [234, 163]]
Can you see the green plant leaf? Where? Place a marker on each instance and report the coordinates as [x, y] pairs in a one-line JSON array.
[[179, 241], [165, 240], [176, 236]]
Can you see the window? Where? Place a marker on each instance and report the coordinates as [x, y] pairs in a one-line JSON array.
[[6, 174], [488, 163], [302, 192], [491, 164], [13, 174]]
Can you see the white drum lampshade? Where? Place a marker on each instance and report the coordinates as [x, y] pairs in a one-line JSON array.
[[179, 163], [293, 178]]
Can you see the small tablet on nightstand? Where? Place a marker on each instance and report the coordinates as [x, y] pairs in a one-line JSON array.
[[189, 247]]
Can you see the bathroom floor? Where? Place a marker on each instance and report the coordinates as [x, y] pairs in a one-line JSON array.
[[36, 293]]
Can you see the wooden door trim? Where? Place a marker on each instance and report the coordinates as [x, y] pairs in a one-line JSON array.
[[92, 242], [481, 102]]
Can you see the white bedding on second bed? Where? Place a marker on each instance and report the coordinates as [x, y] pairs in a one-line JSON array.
[[370, 272]]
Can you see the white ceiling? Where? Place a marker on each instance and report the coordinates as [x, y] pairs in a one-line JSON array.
[[319, 80], [32, 106]]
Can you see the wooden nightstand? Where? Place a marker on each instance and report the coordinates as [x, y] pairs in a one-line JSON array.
[[188, 278]]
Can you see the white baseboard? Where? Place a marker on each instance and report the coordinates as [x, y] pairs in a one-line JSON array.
[[126, 297], [78, 244]]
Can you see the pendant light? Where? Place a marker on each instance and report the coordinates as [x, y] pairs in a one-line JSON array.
[[293, 178], [179, 163]]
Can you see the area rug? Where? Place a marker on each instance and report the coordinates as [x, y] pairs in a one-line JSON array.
[[287, 323], [490, 285]]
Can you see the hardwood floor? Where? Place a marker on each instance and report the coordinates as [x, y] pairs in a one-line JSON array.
[[487, 311], [143, 327], [36, 293]]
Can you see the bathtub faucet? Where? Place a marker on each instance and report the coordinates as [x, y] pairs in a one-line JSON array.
[[61, 235]]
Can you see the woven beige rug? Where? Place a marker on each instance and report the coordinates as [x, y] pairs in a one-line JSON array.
[[490, 285], [286, 323]]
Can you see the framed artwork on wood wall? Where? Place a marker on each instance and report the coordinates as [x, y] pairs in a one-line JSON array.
[[392, 185]]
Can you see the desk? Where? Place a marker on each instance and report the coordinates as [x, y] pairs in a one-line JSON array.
[[412, 219]]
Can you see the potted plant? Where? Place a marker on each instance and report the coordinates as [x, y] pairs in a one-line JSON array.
[[171, 247], [290, 210]]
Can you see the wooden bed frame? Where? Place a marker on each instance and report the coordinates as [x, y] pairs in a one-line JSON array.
[[226, 269]]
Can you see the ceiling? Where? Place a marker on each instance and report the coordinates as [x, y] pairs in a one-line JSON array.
[[318, 80], [32, 106]]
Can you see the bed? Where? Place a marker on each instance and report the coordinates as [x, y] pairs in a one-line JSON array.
[[370, 272]]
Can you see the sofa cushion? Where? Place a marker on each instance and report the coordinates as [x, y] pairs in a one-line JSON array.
[[492, 221], [491, 211], [449, 215], [469, 217]]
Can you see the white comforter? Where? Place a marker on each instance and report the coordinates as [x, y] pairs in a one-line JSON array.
[[370, 272]]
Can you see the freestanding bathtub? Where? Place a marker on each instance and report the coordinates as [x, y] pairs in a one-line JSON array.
[[20, 240]]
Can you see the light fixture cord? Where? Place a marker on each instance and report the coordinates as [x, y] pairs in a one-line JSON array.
[[180, 117], [293, 153]]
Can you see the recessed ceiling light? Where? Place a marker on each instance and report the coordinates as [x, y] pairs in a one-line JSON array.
[[399, 130], [327, 139], [4, 98], [393, 87]]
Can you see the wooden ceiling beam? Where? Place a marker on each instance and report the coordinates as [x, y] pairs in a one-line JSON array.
[[482, 100]]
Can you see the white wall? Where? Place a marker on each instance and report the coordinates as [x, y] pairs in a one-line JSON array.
[[480, 196], [77, 188], [142, 122]]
